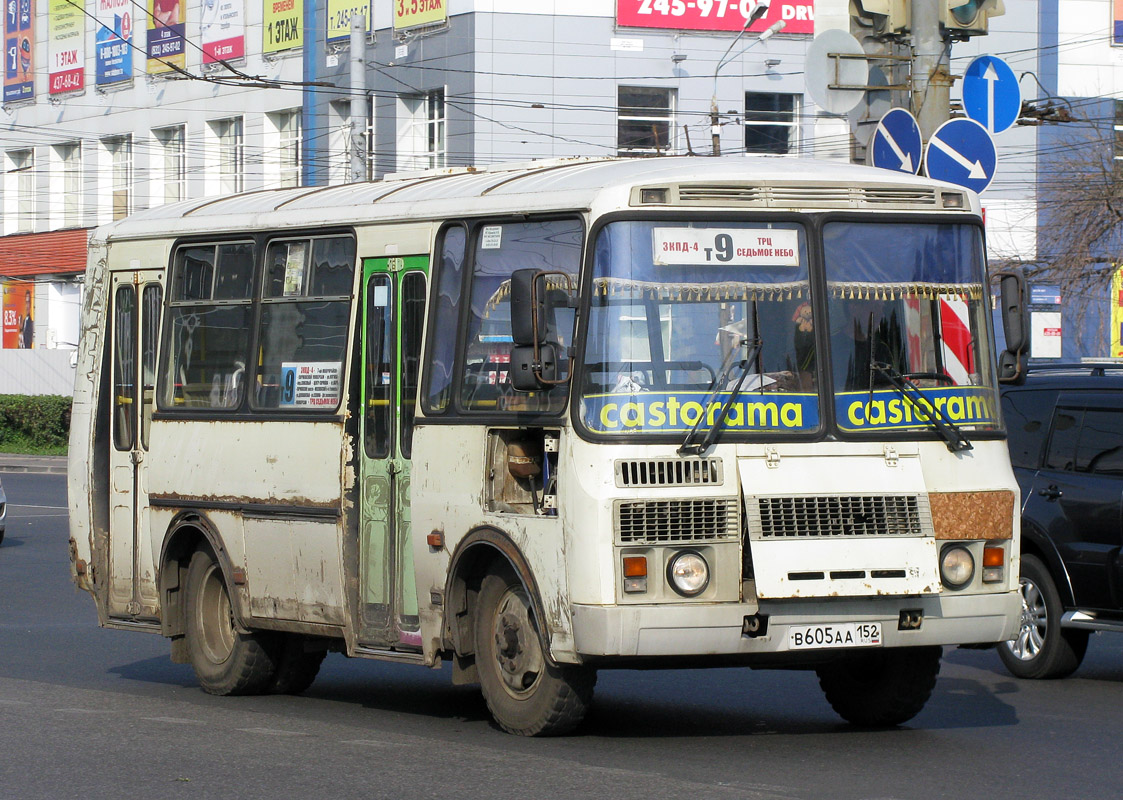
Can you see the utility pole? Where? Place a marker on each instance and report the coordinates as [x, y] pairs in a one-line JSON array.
[[358, 97], [931, 71]]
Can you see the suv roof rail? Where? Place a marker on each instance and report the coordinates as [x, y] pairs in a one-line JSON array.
[[1093, 368]]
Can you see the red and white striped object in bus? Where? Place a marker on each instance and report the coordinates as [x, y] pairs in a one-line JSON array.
[[955, 338]]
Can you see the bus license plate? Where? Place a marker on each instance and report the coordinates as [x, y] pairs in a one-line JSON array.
[[840, 634]]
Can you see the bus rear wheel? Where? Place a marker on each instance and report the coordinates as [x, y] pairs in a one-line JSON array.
[[881, 688], [225, 660], [525, 693]]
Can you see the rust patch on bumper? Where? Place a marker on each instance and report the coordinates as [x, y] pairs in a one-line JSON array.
[[972, 515]]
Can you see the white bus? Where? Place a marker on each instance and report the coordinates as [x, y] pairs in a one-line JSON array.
[[537, 420]]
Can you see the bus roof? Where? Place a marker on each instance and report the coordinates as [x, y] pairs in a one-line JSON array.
[[575, 183]]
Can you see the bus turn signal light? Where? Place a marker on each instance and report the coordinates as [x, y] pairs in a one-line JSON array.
[[635, 574], [635, 566], [994, 559]]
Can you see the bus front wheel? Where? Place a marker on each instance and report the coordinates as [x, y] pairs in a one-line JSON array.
[[881, 688], [226, 661], [525, 693]]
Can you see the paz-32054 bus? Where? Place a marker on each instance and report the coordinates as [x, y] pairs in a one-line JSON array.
[[535, 421]]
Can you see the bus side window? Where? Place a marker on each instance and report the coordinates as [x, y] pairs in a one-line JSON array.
[[151, 301], [124, 367], [446, 318], [552, 245], [305, 312], [209, 312]]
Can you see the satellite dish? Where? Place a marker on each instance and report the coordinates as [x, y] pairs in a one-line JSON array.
[[821, 71]]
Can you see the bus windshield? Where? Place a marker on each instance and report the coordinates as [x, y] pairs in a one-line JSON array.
[[906, 299], [672, 302]]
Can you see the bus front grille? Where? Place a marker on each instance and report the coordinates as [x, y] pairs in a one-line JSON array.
[[838, 516], [636, 472], [661, 521]]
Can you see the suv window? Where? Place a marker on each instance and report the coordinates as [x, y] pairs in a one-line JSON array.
[[1027, 422], [1100, 448], [1062, 444]]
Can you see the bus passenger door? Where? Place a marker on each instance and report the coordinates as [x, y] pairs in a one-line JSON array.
[[393, 317], [134, 330]]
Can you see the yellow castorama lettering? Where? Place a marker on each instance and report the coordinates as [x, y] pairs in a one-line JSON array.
[[672, 414], [895, 411]]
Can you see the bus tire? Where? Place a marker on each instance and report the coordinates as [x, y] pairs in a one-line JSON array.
[[1041, 648], [882, 688], [296, 667], [525, 693], [225, 660]]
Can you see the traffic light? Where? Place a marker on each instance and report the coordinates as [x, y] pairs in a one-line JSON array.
[[881, 17], [969, 17], [961, 18]]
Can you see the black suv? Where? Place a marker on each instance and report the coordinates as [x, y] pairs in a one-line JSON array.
[[1066, 445]]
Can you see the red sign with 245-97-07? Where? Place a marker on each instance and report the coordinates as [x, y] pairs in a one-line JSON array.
[[714, 15]]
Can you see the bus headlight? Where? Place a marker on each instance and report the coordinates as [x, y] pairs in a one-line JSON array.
[[957, 566], [688, 573]]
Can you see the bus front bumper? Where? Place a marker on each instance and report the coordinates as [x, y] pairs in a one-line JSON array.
[[717, 628]]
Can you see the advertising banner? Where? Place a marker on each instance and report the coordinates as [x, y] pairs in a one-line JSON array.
[[412, 13], [284, 25], [1117, 314], [19, 50], [165, 36], [339, 17], [716, 15], [1045, 334], [19, 316], [1117, 23], [66, 47], [113, 41], [222, 30]]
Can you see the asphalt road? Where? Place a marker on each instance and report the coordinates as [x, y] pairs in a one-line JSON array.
[[91, 713]]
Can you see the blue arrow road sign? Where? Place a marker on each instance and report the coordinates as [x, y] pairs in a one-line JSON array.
[[962, 152], [991, 95], [896, 142]]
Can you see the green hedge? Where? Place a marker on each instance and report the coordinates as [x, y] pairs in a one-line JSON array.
[[34, 424]]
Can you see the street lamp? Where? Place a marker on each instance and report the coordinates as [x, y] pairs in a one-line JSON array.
[[759, 11]]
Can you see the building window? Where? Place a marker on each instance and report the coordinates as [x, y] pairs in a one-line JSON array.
[[120, 152], [771, 123], [645, 121], [172, 143], [20, 185], [421, 131], [70, 171], [288, 151], [231, 154]]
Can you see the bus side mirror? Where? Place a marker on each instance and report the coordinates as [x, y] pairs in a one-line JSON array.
[[528, 307], [535, 362], [529, 374], [1015, 327]]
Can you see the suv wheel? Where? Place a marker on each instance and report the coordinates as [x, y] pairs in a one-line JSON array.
[[1041, 648]]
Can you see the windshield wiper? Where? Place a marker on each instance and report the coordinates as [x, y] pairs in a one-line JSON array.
[[931, 412], [688, 448]]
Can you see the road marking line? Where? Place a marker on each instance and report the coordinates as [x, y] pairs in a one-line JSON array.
[[174, 720], [24, 505], [273, 732]]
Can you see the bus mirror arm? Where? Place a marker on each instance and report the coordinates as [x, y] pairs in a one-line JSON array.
[[534, 360], [1015, 326]]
